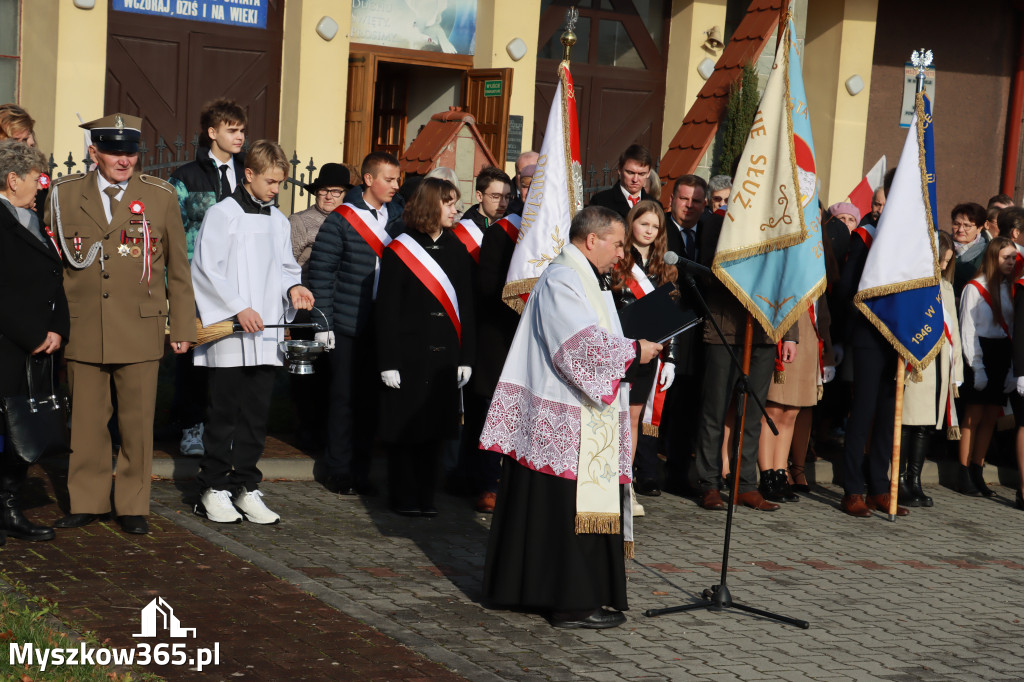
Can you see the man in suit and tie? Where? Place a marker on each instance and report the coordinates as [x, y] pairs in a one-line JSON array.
[[679, 428], [634, 166], [126, 275]]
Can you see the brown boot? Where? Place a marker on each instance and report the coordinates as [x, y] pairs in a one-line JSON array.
[[755, 500], [854, 505], [881, 503]]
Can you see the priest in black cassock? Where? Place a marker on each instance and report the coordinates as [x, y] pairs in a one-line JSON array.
[[560, 534]]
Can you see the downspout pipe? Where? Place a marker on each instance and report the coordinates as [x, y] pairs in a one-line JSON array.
[[1013, 129]]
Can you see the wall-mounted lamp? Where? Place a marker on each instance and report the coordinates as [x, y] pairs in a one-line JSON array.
[[706, 68], [327, 28], [714, 39], [854, 84], [516, 49], [85, 4]]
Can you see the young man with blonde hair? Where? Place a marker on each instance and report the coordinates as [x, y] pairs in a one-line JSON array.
[[243, 269]]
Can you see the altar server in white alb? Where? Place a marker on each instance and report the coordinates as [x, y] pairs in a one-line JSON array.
[[243, 269], [558, 540]]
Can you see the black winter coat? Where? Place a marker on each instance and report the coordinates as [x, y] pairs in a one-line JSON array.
[[416, 337], [497, 322], [342, 267], [32, 288]]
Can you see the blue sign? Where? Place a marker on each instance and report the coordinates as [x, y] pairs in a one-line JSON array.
[[247, 13]]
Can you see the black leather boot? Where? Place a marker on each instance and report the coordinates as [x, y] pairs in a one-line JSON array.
[[919, 439], [769, 487], [785, 489], [964, 483], [903, 491], [977, 474], [14, 523]]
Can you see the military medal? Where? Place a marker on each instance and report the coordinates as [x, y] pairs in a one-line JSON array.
[[135, 251], [138, 208], [78, 248], [122, 250]]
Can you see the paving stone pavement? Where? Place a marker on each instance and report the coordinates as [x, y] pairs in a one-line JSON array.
[[936, 595]]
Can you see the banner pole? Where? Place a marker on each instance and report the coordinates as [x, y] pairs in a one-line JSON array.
[[897, 436]]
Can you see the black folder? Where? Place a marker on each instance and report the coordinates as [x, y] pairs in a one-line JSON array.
[[657, 316]]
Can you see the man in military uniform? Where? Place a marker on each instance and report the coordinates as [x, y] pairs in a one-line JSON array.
[[126, 273]]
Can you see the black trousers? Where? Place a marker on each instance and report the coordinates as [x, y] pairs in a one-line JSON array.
[[352, 412], [678, 431], [412, 474], [719, 384], [482, 467], [188, 407], [872, 412], [236, 427]]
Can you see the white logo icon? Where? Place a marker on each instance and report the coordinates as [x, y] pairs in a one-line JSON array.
[[158, 608]]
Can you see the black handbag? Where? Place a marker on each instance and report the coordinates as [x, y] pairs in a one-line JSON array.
[[37, 426]]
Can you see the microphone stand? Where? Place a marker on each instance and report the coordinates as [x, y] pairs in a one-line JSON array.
[[718, 597]]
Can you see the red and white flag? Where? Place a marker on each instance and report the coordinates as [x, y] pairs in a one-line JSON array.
[[555, 196], [864, 192]]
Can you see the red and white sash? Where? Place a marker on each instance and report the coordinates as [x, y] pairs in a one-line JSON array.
[[641, 285], [430, 274], [988, 299], [470, 235], [867, 234], [369, 229], [510, 225]]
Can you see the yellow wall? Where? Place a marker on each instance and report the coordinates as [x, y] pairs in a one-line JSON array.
[[497, 23], [62, 70], [313, 105], [839, 43], [690, 20]]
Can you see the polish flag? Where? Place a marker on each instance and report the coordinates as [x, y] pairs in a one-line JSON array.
[[864, 192]]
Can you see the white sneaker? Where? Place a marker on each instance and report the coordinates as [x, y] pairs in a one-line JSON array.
[[251, 504], [192, 441], [216, 506], [638, 509]]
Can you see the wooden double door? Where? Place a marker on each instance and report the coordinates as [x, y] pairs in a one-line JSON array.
[[165, 69]]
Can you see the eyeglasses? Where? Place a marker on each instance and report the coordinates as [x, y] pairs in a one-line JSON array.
[[963, 225], [496, 196], [333, 192]]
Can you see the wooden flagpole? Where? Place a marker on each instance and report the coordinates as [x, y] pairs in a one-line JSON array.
[[897, 434], [748, 343]]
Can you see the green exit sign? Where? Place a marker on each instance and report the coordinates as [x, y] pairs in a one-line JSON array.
[[492, 88]]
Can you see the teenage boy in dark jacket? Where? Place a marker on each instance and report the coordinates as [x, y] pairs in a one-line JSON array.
[[219, 167], [344, 267]]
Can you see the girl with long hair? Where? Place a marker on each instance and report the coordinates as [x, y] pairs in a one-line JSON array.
[[641, 271], [986, 318]]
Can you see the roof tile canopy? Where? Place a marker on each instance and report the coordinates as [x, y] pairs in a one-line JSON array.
[[437, 136], [697, 131]]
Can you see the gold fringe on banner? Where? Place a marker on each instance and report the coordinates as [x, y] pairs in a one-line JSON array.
[[512, 292], [628, 551], [597, 522]]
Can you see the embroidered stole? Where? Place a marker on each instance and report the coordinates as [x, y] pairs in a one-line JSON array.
[[430, 274], [597, 475], [470, 235]]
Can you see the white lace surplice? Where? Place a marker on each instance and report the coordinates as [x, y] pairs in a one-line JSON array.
[[560, 357]]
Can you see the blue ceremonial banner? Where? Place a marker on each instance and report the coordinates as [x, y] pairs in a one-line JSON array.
[[770, 254], [899, 288], [249, 13]]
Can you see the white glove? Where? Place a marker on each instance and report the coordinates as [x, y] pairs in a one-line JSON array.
[[980, 379], [828, 373], [837, 352], [668, 375], [464, 374], [391, 378], [326, 338], [1020, 386], [1009, 383]]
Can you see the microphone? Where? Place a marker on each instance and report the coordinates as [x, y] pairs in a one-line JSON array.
[[672, 258]]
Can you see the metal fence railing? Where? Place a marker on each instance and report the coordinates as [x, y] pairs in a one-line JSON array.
[[164, 159]]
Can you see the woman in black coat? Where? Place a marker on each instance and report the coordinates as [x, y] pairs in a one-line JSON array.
[[425, 343], [34, 317]]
